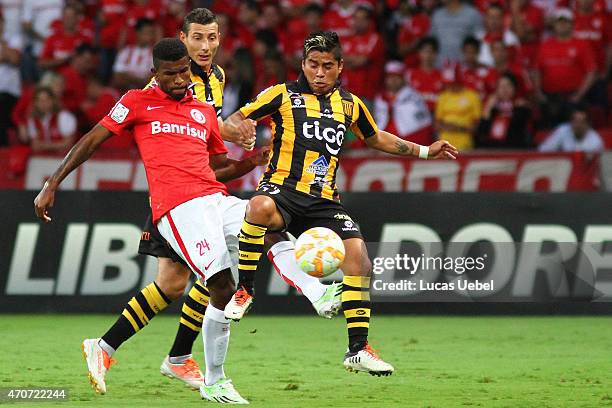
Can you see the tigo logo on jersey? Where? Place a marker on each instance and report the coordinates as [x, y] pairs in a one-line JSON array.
[[198, 116], [119, 112], [319, 166], [159, 127], [331, 136]]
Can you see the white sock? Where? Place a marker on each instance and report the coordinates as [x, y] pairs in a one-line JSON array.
[[106, 347], [282, 257], [215, 333]]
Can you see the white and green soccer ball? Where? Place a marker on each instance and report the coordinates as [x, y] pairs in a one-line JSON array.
[[319, 252]]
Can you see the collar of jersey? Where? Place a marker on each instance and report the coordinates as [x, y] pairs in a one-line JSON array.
[[304, 87], [197, 70], [187, 98]]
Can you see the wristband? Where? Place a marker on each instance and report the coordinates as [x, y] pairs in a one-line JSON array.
[[423, 152]]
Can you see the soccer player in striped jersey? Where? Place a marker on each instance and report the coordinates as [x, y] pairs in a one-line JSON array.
[[200, 34], [298, 190]]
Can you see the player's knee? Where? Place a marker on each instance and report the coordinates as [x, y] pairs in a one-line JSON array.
[[172, 278], [221, 287], [260, 210], [272, 238], [366, 266]]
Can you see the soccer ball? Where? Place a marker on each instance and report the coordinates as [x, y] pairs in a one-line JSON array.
[[319, 252]]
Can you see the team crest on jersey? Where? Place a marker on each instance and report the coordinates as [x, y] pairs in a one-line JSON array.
[[297, 101], [198, 116], [119, 112], [347, 106]]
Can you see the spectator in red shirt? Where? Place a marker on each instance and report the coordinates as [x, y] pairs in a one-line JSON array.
[[494, 30], [595, 28], [527, 21], [566, 70], [363, 56], [99, 101], [414, 27], [248, 16], [132, 67], [22, 110], [76, 77], [141, 9], [401, 110], [111, 18], [313, 18], [475, 75], [505, 117], [231, 42], [338, 17], [426, 78], [172, 21], [502, 65], [49, 128], [59, 47]]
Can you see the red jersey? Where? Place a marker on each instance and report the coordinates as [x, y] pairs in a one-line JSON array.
[[481, 79], [366, 79], [113, 14], [75, 91], [175, 139], [594, 29], [429, 85], [61, 45], [564, 64], [413, 29]]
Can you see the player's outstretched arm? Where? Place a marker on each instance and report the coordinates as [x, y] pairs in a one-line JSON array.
[[240, 130], [389, 143], [81, 151], [228, 169]]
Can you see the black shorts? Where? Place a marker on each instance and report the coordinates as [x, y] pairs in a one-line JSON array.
[[302, 212], [152, 243]]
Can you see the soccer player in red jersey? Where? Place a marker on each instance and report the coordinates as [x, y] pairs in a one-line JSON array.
[[178, 139]]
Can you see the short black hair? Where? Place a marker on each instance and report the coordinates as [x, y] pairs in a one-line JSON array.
[[323, 41], [84, 49], [314, 8], [469, 40], [143, 22], [579, 108], [431, 41], [168, 49], [200, 15], [512, 78], [267, 37]]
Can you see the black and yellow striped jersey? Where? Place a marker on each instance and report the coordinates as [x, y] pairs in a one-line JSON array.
[[308, 131], [207, 87]]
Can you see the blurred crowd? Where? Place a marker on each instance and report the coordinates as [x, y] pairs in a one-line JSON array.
[[481, 74]]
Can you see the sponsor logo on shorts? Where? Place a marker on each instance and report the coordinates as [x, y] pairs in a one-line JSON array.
[[349, 226], [342, 216], [145, 236], [269, 188]]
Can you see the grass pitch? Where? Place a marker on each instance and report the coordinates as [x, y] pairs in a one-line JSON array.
[[296, 362]]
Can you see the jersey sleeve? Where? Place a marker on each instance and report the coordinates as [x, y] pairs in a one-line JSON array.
[[123, 115], [363, 124], [265, 104]]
